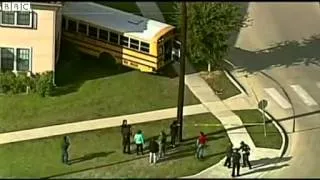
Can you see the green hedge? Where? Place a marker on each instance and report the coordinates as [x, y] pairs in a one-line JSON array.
[[41, 84]]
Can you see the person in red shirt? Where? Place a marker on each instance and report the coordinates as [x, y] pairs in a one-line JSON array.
[[201, 142]]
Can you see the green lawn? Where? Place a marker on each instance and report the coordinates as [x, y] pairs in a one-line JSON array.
[[130, 7], [220, 82], [90, 88], [168, 11], [101, 155], [273, 138]]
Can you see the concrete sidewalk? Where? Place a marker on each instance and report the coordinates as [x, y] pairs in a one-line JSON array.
[[55, 130]]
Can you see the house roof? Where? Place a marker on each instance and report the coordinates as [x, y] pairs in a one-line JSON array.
[[126, 23]]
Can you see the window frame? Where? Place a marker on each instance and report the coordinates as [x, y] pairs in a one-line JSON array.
[[144, 47], [124, 41], [110, 39], [108, 34], [2, 54], [96, 31], [68, 25], [135, 44], [15, 24], [15, 59], [86, 27]]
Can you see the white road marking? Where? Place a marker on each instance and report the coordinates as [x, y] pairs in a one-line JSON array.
[[278, 98], [318, 84], [305, 97]]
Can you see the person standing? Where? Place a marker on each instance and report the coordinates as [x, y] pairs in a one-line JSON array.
[[246, 153], [228, 155], [173, 132], [65, 150], [139, 141], [201, 142], [126, 133], [162, 143], [154, 150], [236, 162]]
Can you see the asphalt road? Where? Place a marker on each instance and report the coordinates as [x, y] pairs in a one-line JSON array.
[[282, 43]]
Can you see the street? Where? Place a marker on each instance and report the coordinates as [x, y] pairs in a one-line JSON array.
[[279, 53]]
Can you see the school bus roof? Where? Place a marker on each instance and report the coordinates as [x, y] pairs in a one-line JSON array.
[[125, 23]]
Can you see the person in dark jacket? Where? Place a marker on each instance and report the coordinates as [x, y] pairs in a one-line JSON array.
[[65, 150], [236, 156], [126, 133], [245, 154], [162, 144], [228, 156], [154, 150], [173, 132]]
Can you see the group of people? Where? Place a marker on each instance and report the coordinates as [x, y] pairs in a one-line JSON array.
[[233, 157], [157, 146]]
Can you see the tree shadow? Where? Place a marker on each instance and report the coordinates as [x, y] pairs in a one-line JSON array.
[[90, 157], [74, 68], [284, 54], [267, 161], [265, 169]]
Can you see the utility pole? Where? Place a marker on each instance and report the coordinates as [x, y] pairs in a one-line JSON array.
[[182, 67]]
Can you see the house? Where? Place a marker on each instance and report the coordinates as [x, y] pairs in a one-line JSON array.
[[30, 41]]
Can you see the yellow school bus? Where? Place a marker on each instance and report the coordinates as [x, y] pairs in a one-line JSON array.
[[134, 41]]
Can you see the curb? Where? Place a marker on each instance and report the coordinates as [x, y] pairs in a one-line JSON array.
[[235, 82], [284, 136]]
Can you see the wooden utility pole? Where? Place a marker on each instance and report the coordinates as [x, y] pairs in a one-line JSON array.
[[182, 67]]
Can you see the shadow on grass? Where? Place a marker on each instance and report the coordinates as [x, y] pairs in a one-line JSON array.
[[74, 68], [95, 167], [90, 157]]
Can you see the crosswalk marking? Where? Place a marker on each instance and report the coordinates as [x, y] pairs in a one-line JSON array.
[[278, 98], [305, 97]]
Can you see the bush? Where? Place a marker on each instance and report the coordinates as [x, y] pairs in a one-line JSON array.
[[7, 81], [41, 84], [44, 84]]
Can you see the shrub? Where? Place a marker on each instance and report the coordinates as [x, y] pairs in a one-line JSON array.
[[7, 81], [44, 84]]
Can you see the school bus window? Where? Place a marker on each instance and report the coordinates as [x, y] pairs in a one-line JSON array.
[[82, 28], [134, 44], [72, 26], [124, 41], [114, 37], [63, 23], [93, 32], [103, 35], [144, 47]]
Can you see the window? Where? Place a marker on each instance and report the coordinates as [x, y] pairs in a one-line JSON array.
[[7, 17], [103, 35], [144, 47], [124, 41], [72, 26], [7, 59], [82, 28], [24, 18], [114, 37], [63, 23], [134, 44], [93, 32], [23, 58]]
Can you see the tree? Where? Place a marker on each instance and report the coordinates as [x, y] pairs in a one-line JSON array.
[[210, 25]]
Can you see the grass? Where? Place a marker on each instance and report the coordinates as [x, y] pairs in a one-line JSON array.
[[168, 11], [130, 7], [220, 82], [90, 88], [273, 138], [101, 155]]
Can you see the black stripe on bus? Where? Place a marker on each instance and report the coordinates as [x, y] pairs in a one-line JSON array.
[[113, 44], [82, 46]]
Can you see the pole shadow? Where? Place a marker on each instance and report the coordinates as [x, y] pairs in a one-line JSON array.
[[267, 161], [265, 169]]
